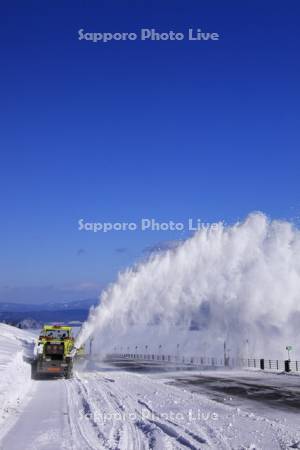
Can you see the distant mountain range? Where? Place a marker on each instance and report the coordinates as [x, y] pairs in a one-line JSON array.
[[14, 313]]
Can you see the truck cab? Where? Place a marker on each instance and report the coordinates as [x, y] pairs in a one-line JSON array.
[[54, 352]]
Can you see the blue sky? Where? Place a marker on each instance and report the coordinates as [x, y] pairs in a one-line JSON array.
[[126, 130]]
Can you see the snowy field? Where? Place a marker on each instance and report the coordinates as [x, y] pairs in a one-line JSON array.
[[111, 408]]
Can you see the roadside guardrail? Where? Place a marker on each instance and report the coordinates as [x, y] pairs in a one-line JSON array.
[[205, 362]]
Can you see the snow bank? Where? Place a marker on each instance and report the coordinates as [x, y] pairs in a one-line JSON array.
[[16, 347]]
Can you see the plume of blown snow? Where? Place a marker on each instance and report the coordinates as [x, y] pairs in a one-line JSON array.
[[239, 284]]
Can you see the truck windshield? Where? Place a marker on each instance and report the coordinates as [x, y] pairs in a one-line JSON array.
[[56, 334]]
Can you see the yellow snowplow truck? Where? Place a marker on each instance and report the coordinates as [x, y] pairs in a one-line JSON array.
[[55, 352]]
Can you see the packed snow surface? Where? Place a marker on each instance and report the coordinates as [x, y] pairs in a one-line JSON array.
[[104, 407], [122, 410]]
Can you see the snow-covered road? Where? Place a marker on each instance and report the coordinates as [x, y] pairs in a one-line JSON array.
[[123, 410], [274, 395], [43, 422], [106, 407]]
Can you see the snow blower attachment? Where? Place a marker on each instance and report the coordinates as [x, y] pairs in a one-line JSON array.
[[55, 352]]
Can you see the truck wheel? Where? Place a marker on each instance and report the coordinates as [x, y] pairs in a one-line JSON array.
[[69, 371]]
